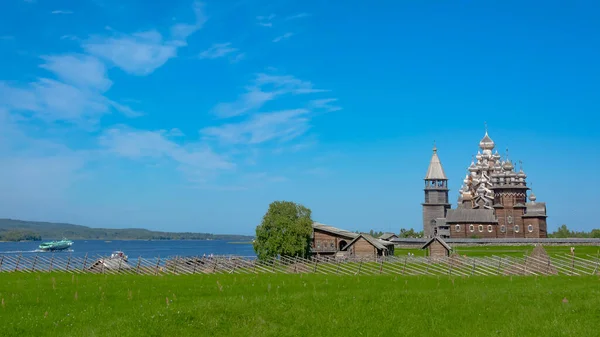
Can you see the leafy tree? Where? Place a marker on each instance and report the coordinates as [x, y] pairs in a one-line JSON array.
[[410, 233], [285, 230]]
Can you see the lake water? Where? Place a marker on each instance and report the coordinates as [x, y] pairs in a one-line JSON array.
[[135, 248]]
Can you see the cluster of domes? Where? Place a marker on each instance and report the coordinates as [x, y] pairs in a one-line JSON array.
[[487, 170]]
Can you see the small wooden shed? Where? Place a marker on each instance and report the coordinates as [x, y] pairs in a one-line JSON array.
[[437, 247]]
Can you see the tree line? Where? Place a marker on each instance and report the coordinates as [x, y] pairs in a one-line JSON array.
[[564, 232]]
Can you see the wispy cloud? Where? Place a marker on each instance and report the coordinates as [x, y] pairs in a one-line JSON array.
[[325, 104], [143, 52], [263, 89], [76, 94], [265, 21], [196, 160], [219, 50], [298, 16], [283, 37], [280, 125], [61, 12]]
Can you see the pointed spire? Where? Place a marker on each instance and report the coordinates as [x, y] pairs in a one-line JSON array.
[[435, 170]]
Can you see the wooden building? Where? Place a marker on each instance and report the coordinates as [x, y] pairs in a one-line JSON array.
[[437, 247], [332, 241], [388, 236], [492, 201]]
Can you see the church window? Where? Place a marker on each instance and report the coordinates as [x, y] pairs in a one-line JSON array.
[[490, 228], [502, 228], [471, 228], [457, 228], [509, 219], [516, 228], [480, 228], [530, 228]]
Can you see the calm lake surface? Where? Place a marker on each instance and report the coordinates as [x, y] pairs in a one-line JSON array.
[[135, 248]]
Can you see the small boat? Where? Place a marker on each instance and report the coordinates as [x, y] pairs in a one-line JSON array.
[[118, 255], [56, 245]]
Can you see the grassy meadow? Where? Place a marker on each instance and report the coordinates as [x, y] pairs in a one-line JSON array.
[[60, 304], [485, 250]]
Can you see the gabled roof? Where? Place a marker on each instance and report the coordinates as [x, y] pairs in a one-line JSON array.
[[468, 215], [438, 239], [334, 230], [387, 236], [379, 244], [435, 170]]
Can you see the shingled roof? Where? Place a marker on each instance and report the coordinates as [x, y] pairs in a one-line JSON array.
[[379, 244], [468, 215], [387, 236], [435, 170], [334, 230], [438, 239]]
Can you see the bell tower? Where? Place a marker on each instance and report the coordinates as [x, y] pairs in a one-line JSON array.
[[436, 195]]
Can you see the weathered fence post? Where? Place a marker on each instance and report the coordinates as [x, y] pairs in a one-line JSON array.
[[84, 261], [1, 260], [17, 264], [34, 262], [449, 267], [137, 267], [594, 272], [337, 271], [499, 265], [315, 268], [404, 269], [215, 266], [525, 263], [273, 267], [119, 269], [295, 264], [157, 263], [381, 267], [473, 268], [359, 267], [176, 263], [68, 262], [51, 263]]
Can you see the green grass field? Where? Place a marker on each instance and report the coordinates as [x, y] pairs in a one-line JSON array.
[[59, 304], [484, 250]]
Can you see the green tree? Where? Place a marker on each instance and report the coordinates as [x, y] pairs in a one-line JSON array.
[[285, 230]]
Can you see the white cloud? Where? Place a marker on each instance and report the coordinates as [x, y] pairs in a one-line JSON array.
[[196, 159], [283, 37], [218, 50], [82, 70], [260, 128], [324, 104], [263, 89], [143, 52], [266, 24], [61, 12], [76, 96], [297, 16]]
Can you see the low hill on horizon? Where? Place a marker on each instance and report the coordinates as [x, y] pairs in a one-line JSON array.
[[16, 230]]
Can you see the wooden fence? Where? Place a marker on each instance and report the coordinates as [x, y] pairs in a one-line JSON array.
[[409, 265]]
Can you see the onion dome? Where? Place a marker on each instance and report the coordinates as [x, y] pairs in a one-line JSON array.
[[497, 155], [486, 143], [508, 166], [478, 156], [473, 168], [532, 197], [521, 174]]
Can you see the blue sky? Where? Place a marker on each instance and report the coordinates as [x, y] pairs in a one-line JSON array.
[[194, 116]]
